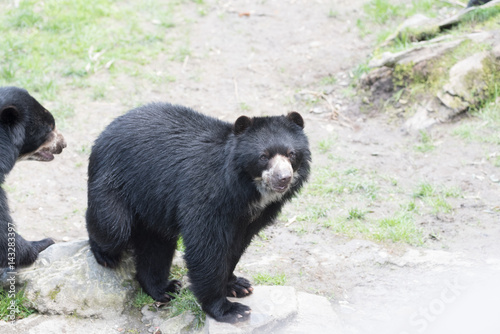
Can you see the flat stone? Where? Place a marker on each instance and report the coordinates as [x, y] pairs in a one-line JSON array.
[[272, 308], [416, 55], [55, 324], [315, 315]]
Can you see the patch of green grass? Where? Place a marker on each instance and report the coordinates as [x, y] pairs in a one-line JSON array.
[[439, 204], [400, 227], [313, 213], [185, 301], [426, 143], [14, 306], [479, 15], [497, 161], [435, 198], [454, 192], [424, 190], [483, 128], [360, 70], [381, 11], [55, 43], [325, 145], [262, 235], [328, 80], [180, 245], [244, 106], [333, 13], [267, 279], [141, 299], [98, 92], [356, 213]]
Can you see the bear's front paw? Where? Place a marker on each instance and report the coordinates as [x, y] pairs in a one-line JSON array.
[[239, 287], [174, 286], [42, 244], [236, 313]]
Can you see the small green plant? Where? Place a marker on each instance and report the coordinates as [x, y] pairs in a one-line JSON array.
[[267, 279], [480, 15], [439, 204], [381, 10], [400, 227], [426, 144], [141, 299], [435, 198], [244, 107], [185, 301], [328, 80], [262, 235], [180, 245], [313, 213], [14, 308], [424, 190], [325, 145], [332, 13], [356, 213]]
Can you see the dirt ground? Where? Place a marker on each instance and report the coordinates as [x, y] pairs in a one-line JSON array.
[[255, 58]]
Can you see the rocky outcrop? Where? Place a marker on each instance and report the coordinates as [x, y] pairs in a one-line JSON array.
[[72, 293], [66, 279], [467, 82]]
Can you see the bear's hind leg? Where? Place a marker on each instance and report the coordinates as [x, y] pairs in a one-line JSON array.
[[105, 259], [109, 229], [153, 256]]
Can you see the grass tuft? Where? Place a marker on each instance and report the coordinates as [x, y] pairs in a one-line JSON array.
[[21, 305], [267, 279]]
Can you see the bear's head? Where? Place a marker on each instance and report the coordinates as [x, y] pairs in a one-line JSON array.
[[274, 152], [28, 127]]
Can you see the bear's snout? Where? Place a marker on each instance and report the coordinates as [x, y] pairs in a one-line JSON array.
[[60, 143], [279, 175], [54, 144]]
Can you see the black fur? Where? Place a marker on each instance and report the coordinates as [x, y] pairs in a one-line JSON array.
[[25, 127], [473, 3], [161, 171]]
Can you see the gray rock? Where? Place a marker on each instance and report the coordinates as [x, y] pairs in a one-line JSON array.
[[420, 53], [419, 26], [56, 324], [66, 279], [465, 83], [315, 315], [272, 308]]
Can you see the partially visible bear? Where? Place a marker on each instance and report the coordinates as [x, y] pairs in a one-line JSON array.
[[163, 170], [27, 132]]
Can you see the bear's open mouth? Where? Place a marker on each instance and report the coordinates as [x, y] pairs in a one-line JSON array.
[[42, 155], [280, 189], [54, 145]]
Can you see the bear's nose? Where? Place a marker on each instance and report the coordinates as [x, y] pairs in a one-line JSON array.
[[285, 179]]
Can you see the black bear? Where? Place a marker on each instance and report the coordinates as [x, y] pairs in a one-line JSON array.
[[27, 132], [163, 170], [473, 3]]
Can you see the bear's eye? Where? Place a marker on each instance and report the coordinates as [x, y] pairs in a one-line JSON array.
[[263, 158], [291, 155]]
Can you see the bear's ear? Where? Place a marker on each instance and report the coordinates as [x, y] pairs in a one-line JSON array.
[[9, 115], [296, 118], [241, 124]]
